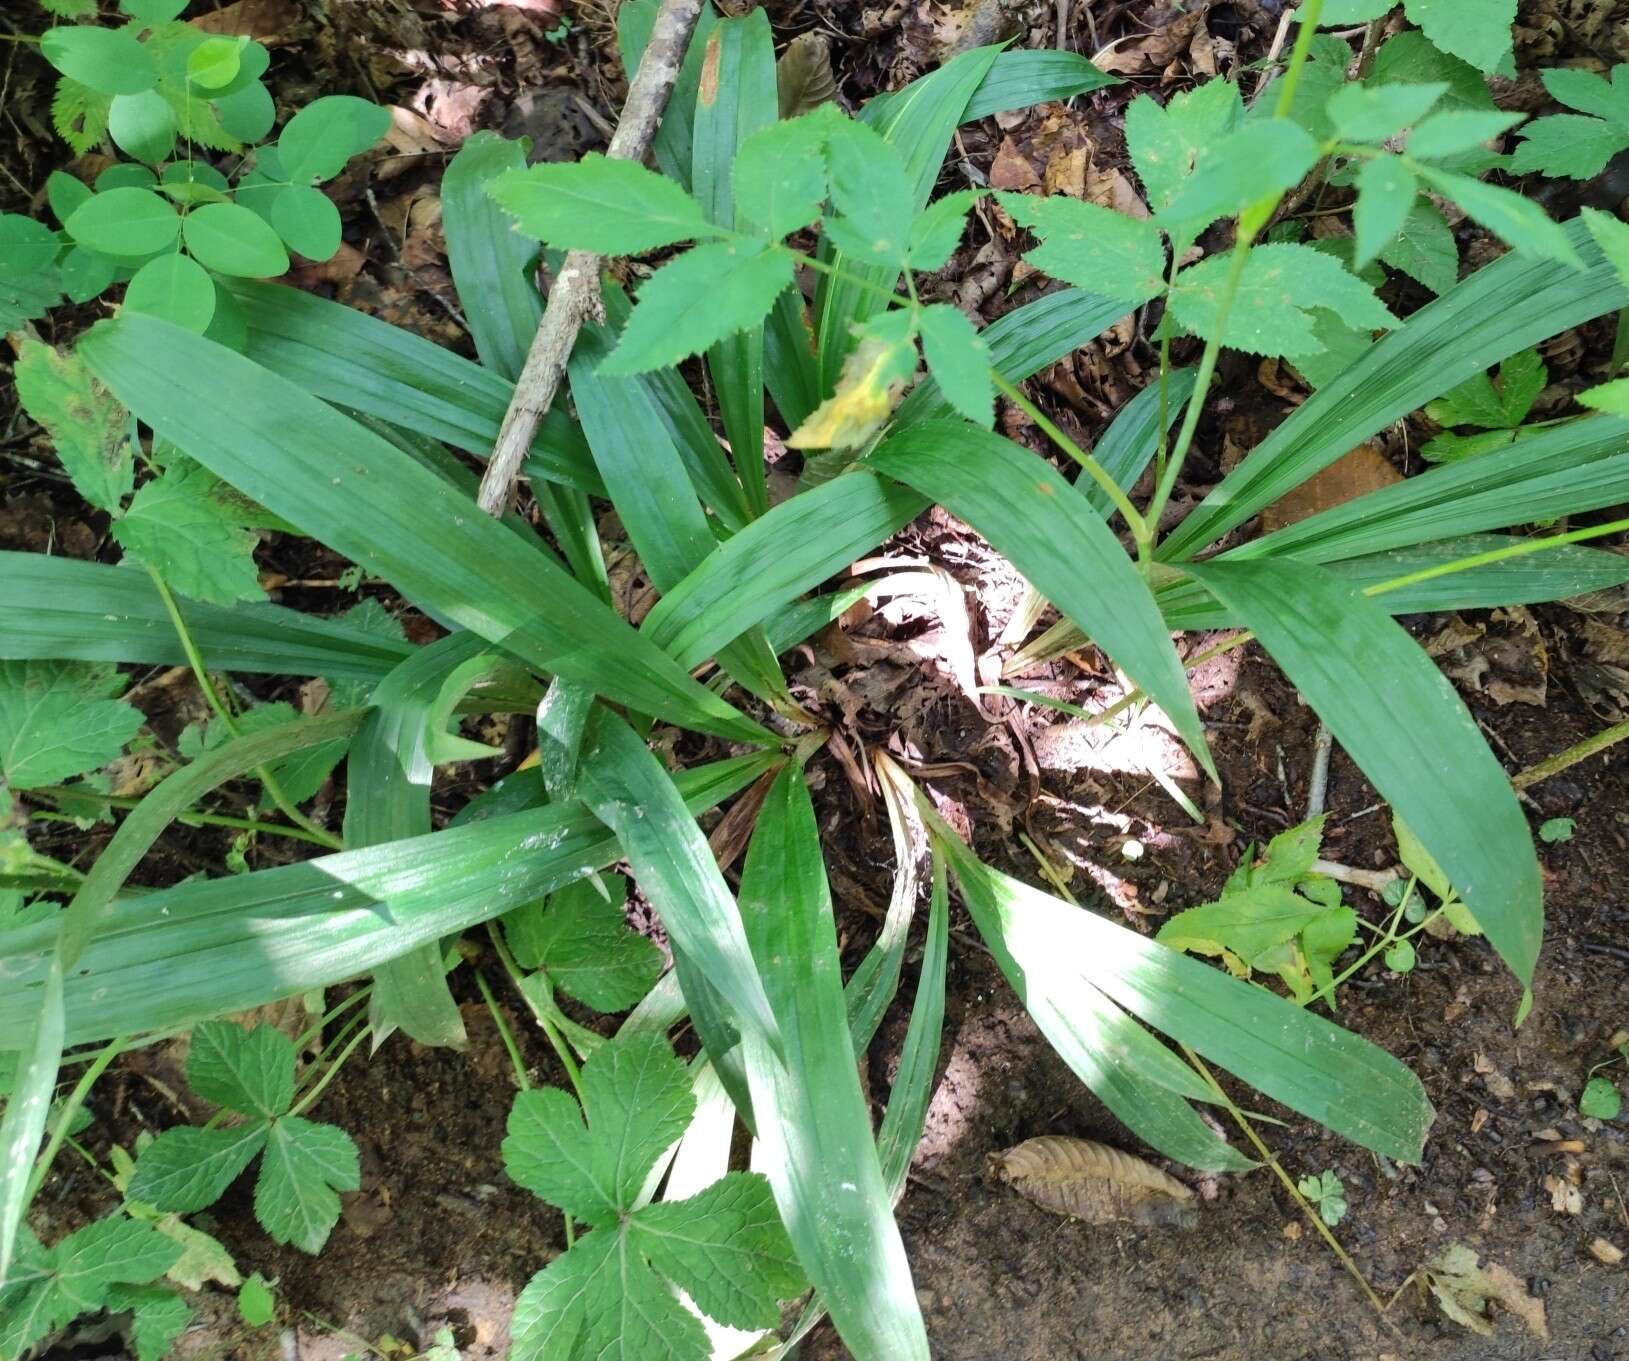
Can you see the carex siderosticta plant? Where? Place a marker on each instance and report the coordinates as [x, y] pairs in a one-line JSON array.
[[792, 250]]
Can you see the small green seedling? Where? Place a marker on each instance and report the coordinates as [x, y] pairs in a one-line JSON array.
[[1327, 1193], [1495, 409], [1577, 145], [257, 1306], [1556, 831], [306, 1164], [1600, 1098]]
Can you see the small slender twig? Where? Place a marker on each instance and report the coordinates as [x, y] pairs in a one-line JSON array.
[[1579, 751], [1318, 782], [575, 296]]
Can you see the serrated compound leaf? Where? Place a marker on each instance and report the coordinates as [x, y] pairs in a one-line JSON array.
[[869, 186], [637, 1101], [1424, 248], [186, 1168], [127, 222], [1247, 923], [599, 1300], [246, 1070], [1386, 192], [59, 719], [779, 176], [1587, 92], [1339, 13], [184, 525], [725, 1247], [584, 944], [611, 207], [1373, 113], [959, 361], [157, 1317], [143, 125], [108, 60], [1612, 236], [307, 220], [1272, 313], [1475, 31], [304, 1167], [316, 143], [110, 1251], [230, 239], [88, 427], [873, 378], [79, 114], [1092, 247], [1567, 145], [1260, 160], [175, 287], [1521, 223], [1456, 130], [697, 300], [938, 231], [1166, 143]]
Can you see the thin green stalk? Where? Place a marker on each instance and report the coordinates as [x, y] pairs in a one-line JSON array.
[[1090, 465], [196, 662], [1518, 550], [556, 1040], [1306, 20], [332, 1014], [70, 1108], [188, 819], [1271, 1160], [310, 1098], [1579, 751]]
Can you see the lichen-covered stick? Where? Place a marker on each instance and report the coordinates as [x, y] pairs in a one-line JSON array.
[[575, 295]]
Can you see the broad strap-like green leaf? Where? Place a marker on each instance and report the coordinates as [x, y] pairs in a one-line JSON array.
[[367, 500], [41, 1034], [799, 544], [736, 99], [364, 364], [1023, 506], [812, 1118], [1407, 731], [1504, 307], [1294, 1056], [176, 956], [672, 144], [636, 798], [61, 608], [488, 257], [387, 798]]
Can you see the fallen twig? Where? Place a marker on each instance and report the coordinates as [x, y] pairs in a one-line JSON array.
[[575, 296]]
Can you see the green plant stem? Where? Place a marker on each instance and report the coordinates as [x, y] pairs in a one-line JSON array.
[[310, 1098], [196, 662], [1090, 465], [556, 1040], [1250, 222], [1517, 550], [70, 1108], [332, 1014], [1580, 751], [1267, 1156], [189, 819]]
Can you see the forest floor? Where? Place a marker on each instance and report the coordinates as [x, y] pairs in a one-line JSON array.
[[438, 1236]]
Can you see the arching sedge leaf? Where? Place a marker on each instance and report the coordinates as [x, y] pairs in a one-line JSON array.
[[356, 361], [177, 955], [813, 1121], [775, 559], [1136, 1076], [1021, 77], [636, 798], [367, 500], [1553, 574], [1450, 791], [1296, 1057], [63, 609], [672, 143], [389, 768], [1023, 506], [1504, 307], [736, 98]]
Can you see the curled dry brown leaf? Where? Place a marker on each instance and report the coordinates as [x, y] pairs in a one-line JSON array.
[[1095, 1183]]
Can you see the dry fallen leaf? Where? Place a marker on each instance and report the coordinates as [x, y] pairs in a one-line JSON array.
[[266, 21], [1094, 1183], [803, 75], [1608, 1254], [1363, 470], [1464, 1291]]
